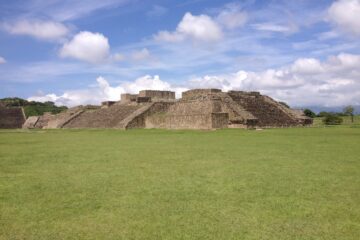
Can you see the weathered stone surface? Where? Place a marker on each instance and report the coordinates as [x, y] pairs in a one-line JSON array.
[[157, 95], [127, 98], [107, 104], [11, 117], [31, 122]]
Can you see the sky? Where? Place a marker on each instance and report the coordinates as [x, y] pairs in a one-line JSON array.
[[303, 52]]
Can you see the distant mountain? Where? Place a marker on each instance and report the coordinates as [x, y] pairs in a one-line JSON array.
[[32, 108]]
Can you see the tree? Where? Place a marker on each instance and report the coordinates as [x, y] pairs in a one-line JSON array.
[[332, 119], [323, 114], [309, 113], [349, 111]]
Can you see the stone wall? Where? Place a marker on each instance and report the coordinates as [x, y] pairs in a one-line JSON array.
[[198, 121], [147, 96], [157, 95], [107, 104], [195, 93], [138, 119], [181, 115], [219, 120], [11, 117], [127, 98], [192, 107], [188, 121]]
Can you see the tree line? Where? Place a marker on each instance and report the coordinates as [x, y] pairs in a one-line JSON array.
[[332, 118], [33, 108]]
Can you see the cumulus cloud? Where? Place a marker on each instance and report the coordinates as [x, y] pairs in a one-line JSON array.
[[45, 30], [103, 91], [307, 66], [306, 82], [2, 60], [345, 15], [198, 28], [87, 46]]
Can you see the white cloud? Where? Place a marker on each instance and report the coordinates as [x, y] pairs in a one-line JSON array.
[[65, 10], [272, 27], [306, 82], [118, 57], [140, 55], [87, 46], [232, 17], [345, 15], [46, 30], [169, 36], [198, 28], [103, 91], [2, 60], [328, 35], [307, 66]]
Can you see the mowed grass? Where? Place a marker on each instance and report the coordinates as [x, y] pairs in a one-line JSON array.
[[298, 183]]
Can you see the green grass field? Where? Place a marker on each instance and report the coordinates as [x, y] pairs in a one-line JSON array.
[[298, 183]]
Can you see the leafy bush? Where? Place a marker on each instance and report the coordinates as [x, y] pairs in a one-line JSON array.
[[332, 119], [309, 113]]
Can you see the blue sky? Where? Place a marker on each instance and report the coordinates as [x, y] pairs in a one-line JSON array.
[[303, 52]]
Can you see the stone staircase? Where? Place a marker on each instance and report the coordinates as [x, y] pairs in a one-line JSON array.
[[237, 113], [102, 118], [267, 111]]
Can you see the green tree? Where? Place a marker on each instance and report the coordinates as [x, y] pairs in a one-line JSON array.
[[332, 119], [309, 113], [323, 114], [349, 111]]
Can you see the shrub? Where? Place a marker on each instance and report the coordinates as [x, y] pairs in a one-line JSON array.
[[332, 119], [323, 114], [309, 113]]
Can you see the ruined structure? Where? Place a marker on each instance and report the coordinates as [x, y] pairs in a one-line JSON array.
[[11, 117], [197, 109]]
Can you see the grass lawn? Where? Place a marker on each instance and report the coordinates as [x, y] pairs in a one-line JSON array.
[[299, 183]]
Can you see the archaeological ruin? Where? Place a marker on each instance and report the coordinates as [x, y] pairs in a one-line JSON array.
[[11, 117], [196, 109]]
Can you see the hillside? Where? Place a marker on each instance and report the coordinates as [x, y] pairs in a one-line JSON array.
[[32, 108]]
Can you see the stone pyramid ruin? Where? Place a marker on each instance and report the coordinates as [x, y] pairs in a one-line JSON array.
[[197, 109], [13, 117]]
